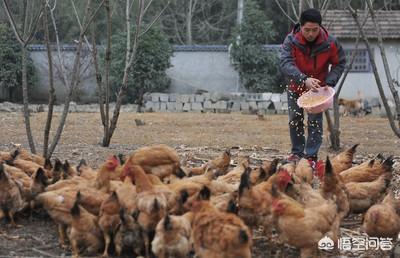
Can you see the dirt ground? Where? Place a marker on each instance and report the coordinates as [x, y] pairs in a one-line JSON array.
[[204, 136]]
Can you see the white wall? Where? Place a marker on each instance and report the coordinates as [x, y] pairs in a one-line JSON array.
[[365, 82], [194, 70], [87, 88]]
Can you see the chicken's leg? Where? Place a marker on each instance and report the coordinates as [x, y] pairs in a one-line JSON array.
[[146, 243], [118, 249], [13, 224], [61, 235], [107, 240], [75, 248]]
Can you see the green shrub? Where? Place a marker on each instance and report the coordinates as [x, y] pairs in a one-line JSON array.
[[11, 68], [258, 68], [148, 72]]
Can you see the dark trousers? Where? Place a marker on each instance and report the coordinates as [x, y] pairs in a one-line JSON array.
[[300, 146]]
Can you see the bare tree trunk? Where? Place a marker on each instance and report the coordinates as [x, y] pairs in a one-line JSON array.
[[334, 127], [130, 55], [75, 73], [99, 79], [189, 17], [240, 12], [26, 103], [131, 49], [377, 77], [24, 39], [107, 75], [389, 77], [51, 85]]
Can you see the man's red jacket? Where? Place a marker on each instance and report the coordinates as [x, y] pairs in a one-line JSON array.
[[300, 60]]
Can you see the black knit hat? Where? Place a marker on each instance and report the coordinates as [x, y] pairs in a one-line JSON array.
[[310, 15]]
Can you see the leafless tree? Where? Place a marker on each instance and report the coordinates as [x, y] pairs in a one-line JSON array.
[[52, 96], [293, 8], [29, 24], [131, 49], [194, 21], [334, 126], [396, 129]]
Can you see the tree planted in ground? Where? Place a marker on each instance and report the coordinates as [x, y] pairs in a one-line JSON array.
[[258, 67], [24, 31], [127, 64]]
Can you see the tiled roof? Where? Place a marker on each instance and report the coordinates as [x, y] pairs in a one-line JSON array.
[[341, 24]]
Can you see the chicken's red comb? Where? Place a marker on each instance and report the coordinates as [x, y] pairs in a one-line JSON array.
[[283, 177], [112, 162]]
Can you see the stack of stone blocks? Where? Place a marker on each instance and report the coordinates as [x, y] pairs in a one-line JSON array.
[[247, 103]]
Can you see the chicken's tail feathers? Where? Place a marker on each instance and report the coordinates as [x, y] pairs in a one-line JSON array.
[[352, 150], [244, 181], [388, 163], [180, 173], [243, 236]]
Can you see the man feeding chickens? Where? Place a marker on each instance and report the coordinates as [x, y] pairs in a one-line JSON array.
[[310, 59]]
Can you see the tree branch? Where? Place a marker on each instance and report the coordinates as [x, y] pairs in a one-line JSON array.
[[80, 25], [375, 70], [284, 12], [36, 22], [12, 22], [51, 84], [389, 77], [154, 21], [92, 17]]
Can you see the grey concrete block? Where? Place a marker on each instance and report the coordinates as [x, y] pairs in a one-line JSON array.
[[206, 95], [151, 106], [275, 97], [235, 106], [163, 106], [164, 97], [191, 98], [172, 97], [178, 106], [198, 98], [182, 98], [187, 106], [217, 96], [263, 105], [244, 106], [222, 104], [252, 105], [278, 105], [171, 106], [196, 106], [155, 97], [208, 104]]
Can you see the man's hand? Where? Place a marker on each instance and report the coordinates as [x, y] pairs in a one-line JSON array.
[[312, 84]]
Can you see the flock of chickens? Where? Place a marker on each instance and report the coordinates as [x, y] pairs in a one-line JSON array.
[[149, 204]]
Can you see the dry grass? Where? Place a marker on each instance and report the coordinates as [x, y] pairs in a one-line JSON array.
[[197, 129]]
